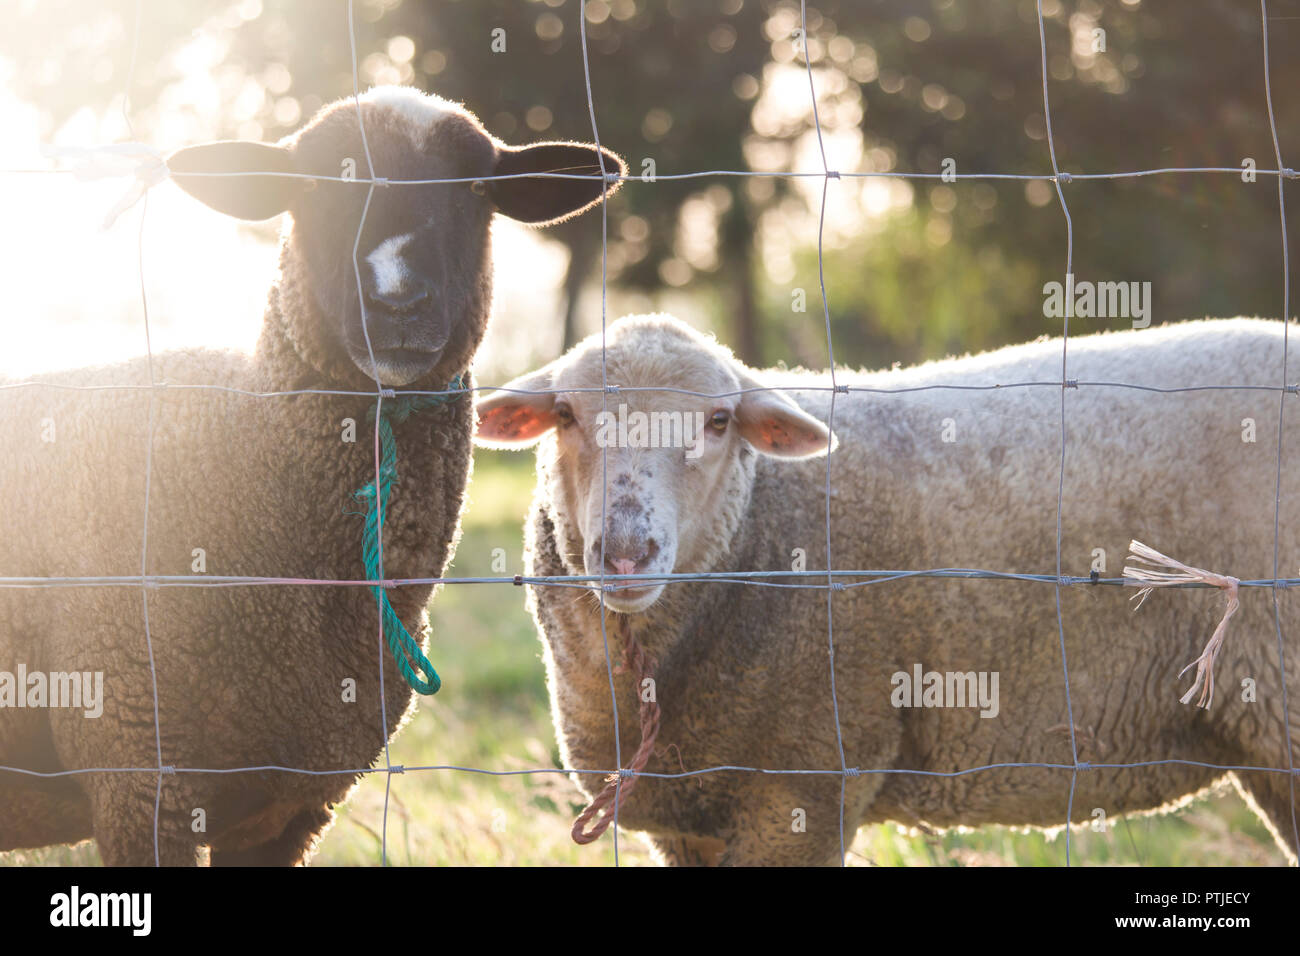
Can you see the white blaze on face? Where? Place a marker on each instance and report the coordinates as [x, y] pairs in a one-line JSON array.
[[418, 114], [388, 266]]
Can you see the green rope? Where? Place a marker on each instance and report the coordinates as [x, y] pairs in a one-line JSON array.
[[404, 648]]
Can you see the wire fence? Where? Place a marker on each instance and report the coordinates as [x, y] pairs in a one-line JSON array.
[[831, 581]]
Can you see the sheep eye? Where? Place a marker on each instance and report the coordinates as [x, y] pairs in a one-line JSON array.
[[718, 422], [563, 415], [478, 187]]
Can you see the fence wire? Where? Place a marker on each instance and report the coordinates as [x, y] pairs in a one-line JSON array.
[[831, 580]]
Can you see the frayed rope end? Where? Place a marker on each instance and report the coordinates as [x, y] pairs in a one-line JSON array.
[[139, 160], [1151, 577]]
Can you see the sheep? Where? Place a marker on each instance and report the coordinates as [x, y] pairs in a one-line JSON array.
[[285, 676], [925, 478]]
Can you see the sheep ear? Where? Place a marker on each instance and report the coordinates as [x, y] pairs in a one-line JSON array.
[[247, 196], [543, 201], [776, 426], [516, 416]]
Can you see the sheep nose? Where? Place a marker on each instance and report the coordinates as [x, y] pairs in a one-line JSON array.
[[623, 565], [629, 557], [410, 295]]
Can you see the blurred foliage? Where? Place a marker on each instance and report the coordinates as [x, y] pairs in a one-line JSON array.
[[964, 80], [720, 85]]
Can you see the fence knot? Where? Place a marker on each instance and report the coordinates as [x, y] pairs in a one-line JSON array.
[[379, 181], [1290, 173], [842, 389], [611, 389], [1070, 383], [837, 585], [169, 769], [519, 580], [1293, 389], [1149, 578], [397, 768], [387, 393], [832, 174], [612, 177], [139, 160], [1094, 577], [1082, 765], [852, 772], [1063, 178]]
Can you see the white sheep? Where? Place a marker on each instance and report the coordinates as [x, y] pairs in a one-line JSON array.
[[284, 676], [921, 479]]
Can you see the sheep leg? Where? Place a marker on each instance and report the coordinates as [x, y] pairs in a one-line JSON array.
[[1271, 797], [123, 813], [775, 846], [34, 817], [684, 850], [133, 845], [1274, 797], [291, 848], [792, 823]]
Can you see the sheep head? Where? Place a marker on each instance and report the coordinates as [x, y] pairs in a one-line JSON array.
[[647, 481], [415, 306]]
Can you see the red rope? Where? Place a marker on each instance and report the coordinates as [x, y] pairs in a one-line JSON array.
[[636, 660]]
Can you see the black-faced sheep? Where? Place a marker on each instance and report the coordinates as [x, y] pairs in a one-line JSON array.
[[284, 675], [919, 480]]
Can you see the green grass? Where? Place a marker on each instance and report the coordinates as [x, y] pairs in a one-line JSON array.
[[492, 714]]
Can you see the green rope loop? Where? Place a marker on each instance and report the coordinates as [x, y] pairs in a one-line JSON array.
[[404, 648]]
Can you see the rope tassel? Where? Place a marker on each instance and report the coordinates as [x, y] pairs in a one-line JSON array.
[[1149, 578], [405, 649], [616, 787], [143, 162]]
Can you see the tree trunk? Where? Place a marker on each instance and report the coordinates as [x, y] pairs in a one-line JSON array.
[[584, 260], [744, 334], [737, 239]]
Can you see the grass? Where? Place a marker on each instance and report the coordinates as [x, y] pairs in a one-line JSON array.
[[492, 714]]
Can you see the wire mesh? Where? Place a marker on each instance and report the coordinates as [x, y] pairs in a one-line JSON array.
[[830, 580]]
